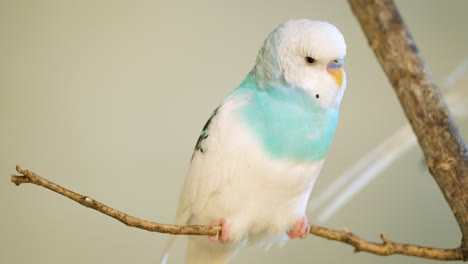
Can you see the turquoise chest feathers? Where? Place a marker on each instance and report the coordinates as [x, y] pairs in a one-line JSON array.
[[288, 122]]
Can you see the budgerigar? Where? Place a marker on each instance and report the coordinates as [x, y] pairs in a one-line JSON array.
[[259, 154]]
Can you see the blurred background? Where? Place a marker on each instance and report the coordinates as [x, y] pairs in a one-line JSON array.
[[107, 98]]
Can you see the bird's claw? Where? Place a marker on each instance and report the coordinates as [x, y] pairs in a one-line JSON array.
[[225, 231], [300, 229]]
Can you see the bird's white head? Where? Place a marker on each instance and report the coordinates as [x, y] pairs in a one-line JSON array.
[[305, 54]]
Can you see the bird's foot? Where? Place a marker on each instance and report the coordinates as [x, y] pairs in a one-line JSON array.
[[225, 231], [300, 230]]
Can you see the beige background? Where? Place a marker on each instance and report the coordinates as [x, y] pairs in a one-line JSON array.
[[107, 98]]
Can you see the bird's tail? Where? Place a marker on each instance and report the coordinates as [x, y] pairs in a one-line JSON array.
[[201, 251], [168, 246]]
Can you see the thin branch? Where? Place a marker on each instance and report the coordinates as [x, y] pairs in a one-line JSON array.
[[424, 106], [388, 247], [384, 249], [31, 177]]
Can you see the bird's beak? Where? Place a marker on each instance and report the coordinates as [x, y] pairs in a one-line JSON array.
[[335, 68]]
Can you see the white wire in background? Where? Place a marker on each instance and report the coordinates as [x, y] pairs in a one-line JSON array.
[[385, 154]]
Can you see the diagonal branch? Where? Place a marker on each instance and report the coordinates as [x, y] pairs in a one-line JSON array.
[[384, 249], [424, 106], [31, 177]]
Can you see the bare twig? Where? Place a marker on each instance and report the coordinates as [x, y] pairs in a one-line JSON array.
[[31, 177], [388, 247], [384, 249], [424, 106]]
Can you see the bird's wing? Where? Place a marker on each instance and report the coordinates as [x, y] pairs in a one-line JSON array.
[[209, 170]]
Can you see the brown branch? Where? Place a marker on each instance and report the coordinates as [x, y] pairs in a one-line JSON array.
[[388, 247], [424, 106], [384, 249], [31, 177]]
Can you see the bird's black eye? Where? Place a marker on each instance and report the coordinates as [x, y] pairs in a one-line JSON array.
[[310, 60]]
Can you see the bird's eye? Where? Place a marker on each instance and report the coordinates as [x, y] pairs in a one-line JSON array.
[[310, 60]]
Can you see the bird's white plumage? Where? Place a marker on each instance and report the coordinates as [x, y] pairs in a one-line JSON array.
[[293, 41], [235, 180], [231, 176], [235, 166]]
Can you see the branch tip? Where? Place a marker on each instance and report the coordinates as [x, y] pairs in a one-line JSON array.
[[20, 170], [384, 239], [19, 179]]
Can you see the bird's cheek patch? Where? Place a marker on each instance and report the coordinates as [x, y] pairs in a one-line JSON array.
[[337, 74]]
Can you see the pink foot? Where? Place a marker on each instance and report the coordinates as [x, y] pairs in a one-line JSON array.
[[300, 230], [225, 231]]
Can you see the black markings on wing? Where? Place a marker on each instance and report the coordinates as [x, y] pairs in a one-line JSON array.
[[204, 134]]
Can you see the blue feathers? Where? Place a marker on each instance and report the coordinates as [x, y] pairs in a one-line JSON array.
[[288, 122]]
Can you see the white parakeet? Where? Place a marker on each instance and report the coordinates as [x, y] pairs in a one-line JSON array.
[[262, 149]]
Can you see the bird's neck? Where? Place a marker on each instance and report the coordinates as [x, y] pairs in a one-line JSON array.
[[323, 91], [287, 121], [264, 78]]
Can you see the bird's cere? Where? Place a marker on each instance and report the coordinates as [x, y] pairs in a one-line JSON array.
[[335, 68], [335, 64]]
